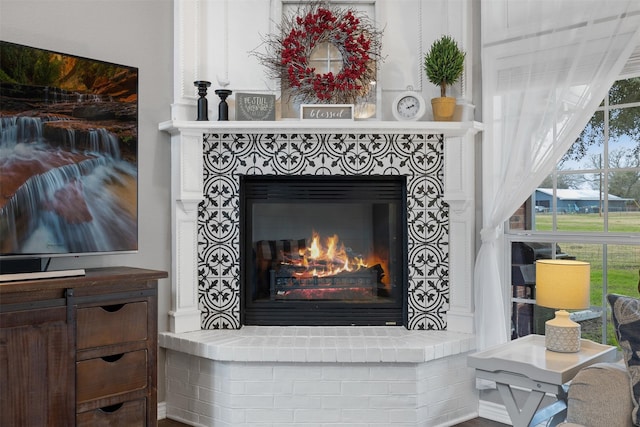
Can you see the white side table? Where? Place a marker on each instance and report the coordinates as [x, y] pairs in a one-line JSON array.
[[526, 363]]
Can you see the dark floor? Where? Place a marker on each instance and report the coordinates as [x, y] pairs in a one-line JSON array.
[[477, 422]]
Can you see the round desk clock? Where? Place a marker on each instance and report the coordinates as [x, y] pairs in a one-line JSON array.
[[409, 105]]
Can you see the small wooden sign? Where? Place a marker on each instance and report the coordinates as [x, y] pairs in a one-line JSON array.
[[255, 107], [326, 112]]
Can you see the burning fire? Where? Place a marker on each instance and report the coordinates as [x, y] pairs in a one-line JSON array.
[[328, 259]]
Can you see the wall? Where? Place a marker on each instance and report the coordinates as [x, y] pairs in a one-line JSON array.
[[213, 43], [136, 33]]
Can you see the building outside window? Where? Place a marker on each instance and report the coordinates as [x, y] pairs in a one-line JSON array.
[[587, 209]]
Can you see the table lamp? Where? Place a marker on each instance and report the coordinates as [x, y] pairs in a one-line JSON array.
[[562, 284]]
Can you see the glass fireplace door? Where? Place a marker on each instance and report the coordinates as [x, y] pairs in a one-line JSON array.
[[318, 250]]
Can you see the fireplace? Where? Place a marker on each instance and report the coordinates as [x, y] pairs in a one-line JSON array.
[[323, 250], [210, 158], [257, 368]]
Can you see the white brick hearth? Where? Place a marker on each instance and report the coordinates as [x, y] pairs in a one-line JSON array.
[[319, 376]]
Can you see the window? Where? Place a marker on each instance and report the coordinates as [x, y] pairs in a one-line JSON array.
[[588, 209]]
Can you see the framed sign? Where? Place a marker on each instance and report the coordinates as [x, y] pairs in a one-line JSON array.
[[255, 107], [326, 112]]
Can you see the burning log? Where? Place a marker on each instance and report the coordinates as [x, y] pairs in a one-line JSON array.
[[285, 284], [327, 267], [302, 273]]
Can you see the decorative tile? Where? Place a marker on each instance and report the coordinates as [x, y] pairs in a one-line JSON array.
[[417, 260], [220, 260], [221, 319], [217, 156], [427, 226], [425, 192], [430, 321], [218, 226], [219, 191], [417, 156]]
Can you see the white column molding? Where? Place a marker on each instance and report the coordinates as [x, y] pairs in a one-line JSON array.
[[459, 155], [459, 20], [186, 194], [459, 171], [186, 58]]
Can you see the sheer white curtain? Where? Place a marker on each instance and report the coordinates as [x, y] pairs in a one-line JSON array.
[[546, 65]]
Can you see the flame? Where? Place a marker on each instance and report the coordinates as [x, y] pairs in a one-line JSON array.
[[329, 258], [314, 251]]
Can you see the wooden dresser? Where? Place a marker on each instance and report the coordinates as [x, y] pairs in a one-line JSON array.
[[80, 350]]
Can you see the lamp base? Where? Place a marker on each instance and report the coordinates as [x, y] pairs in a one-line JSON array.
[[562, 334]]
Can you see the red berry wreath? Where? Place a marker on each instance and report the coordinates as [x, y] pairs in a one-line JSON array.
[[354, 37]]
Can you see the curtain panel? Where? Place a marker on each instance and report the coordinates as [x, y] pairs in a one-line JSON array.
[[546, 66]]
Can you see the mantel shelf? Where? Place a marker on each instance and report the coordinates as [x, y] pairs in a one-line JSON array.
[[449, 129]]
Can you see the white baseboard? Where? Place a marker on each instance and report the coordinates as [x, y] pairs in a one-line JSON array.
[[489, 410], [494, 411], [162, 410]]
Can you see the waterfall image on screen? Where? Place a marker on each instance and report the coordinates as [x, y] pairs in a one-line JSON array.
[[68, 154]]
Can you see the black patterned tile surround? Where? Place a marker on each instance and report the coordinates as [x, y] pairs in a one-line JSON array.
[[418, 156]]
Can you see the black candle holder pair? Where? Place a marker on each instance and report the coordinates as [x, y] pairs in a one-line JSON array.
[[203, 107]]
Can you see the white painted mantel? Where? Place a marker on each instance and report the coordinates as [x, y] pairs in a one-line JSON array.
[[187, 193]]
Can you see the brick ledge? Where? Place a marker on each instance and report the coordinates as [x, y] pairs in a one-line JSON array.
[[319, 344]]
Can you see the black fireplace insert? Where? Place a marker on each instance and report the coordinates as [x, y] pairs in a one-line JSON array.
[[323, 250]]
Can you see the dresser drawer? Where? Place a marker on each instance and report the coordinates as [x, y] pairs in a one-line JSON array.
[[126, 414], [111, 375], [111, 324]]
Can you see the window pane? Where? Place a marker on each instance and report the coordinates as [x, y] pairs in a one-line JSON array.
[[319, 52], [334, 53], [625, 91], [319, 65], [624, 148], [624, 215], [591, 222], [587, 151], [326, 57], [623, 263], [577, 207], [590, 319], [523, 289], [335, 67], [624, 221]]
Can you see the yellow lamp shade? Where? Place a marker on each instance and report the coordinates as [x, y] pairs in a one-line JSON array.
[[562, 284]]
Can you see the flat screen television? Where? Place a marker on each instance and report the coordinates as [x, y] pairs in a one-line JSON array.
[[68, 155]]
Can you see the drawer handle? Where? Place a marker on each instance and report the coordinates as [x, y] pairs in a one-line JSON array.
[[112, 308], [111, 408], [112, 358]]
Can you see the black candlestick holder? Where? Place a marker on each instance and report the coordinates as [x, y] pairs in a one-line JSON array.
[[203, 105], [223, 107]]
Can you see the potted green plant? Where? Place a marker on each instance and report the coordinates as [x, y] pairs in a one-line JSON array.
[[443, 65]]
